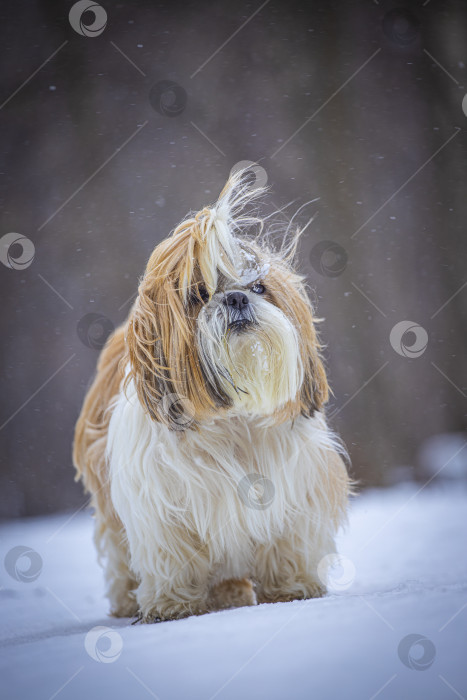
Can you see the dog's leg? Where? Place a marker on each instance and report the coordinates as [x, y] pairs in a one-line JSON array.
[[121, 581], [232, 593], [174, 579], [287, 568], [172, 598]]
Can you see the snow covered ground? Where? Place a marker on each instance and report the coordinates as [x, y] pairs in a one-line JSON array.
[[408, 553]]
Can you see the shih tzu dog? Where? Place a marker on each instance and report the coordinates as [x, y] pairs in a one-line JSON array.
[[215, 480]]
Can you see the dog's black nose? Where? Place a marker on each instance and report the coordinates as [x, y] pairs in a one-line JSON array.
[[238, 300]]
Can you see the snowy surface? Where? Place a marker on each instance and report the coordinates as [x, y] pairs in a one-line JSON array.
[[409, 553]]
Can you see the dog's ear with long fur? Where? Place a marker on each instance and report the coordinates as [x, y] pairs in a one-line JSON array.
[[315, 389], [163, 360]]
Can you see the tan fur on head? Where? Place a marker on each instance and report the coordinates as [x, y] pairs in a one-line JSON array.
[[214, 381], [161, 335]]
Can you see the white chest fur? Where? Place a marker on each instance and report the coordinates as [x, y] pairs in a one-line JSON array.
[[208, 481]]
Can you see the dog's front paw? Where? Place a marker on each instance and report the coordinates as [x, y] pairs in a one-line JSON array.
[[124, 607], [284, 594], [164, 610]]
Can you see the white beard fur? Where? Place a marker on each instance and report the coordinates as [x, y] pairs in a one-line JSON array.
[[186, 526], [264, 365]]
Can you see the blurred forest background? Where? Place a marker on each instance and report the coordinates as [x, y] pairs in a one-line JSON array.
[[114, 128]]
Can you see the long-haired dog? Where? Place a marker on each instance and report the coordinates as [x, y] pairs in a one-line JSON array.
[[214, 477]]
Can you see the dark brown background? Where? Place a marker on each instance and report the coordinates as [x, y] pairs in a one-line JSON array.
[[356, 152]]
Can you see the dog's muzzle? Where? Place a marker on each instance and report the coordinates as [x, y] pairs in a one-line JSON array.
[[239, 310]]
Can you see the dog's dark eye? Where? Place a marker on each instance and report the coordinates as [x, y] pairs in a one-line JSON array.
[[258, 288], [199, 295], [203, 294]]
